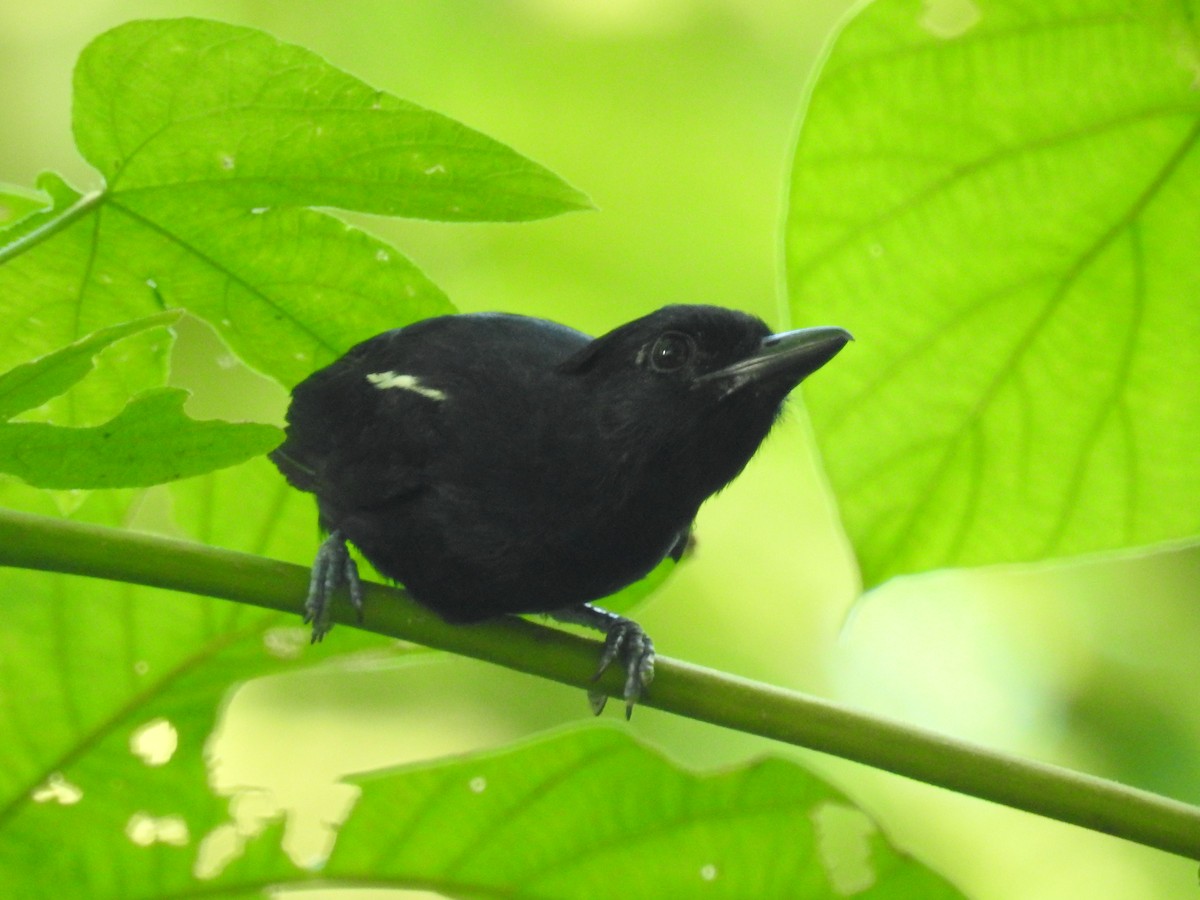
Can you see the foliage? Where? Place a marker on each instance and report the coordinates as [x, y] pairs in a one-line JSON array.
[[114, 454], [1008, 227], [216, 144]]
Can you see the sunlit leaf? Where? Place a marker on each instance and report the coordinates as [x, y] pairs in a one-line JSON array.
[[34, 383], [215, 142], [622, 819], [167, 108], [118, 662], [16, 203], [1001, 205], [111, 659], [151, 441], [44, 273]]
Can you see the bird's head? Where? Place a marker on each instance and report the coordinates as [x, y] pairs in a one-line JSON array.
[[707, 354], [698, 385]]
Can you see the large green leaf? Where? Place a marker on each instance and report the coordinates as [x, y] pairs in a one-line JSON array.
[[593, 813], [37, 382], [152, 440], [16, 203], [149, 442], [117, 663], [215, 110], [86, 666], [215, 142], [1003, 209], [50, 296]]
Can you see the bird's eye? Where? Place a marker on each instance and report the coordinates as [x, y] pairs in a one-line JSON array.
[[672, 351]]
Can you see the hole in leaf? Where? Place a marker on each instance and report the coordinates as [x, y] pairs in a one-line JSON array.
[[145, 830], [58, 790], [219, 848], [843, 842], [286, 642], [155, 742]]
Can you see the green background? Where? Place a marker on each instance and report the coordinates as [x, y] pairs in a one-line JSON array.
[[677, 118]]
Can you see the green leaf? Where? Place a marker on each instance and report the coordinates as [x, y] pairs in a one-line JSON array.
[[151, 441], [216, 141], [478, 827], [48, 214], [218, 113], [38, 210], [68, 742], [34, 383], [16, 203], [1003, 211], [59, 284], [86, 664], [281, 524], [285, 312]]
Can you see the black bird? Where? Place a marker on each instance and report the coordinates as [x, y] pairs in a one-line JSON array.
[[497, 464]]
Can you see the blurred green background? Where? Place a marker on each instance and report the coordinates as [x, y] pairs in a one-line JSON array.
[[677, 117]]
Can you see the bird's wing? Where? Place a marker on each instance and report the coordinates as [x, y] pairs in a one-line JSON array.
[[360, 433]]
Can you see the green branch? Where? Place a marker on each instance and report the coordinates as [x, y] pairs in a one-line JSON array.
[[56, 545]]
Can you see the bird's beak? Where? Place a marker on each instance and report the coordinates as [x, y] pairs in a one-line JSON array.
[[788, 357]]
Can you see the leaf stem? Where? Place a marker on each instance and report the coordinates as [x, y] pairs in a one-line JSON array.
[[56, 545], [53, 226]]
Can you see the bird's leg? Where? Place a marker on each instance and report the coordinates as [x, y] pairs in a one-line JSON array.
[[333, 568], [625, 641], [685, 544]]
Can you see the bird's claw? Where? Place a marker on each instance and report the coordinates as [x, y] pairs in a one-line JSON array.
[[627, 642], [333, 568], [624, 640]]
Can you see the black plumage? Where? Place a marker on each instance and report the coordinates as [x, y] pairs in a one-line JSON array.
[[500, 464]]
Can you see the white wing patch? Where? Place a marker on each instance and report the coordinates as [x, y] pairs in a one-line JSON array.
[[386, 380]]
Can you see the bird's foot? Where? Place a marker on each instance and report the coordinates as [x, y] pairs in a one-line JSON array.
[[625, 641], [333, 568]]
